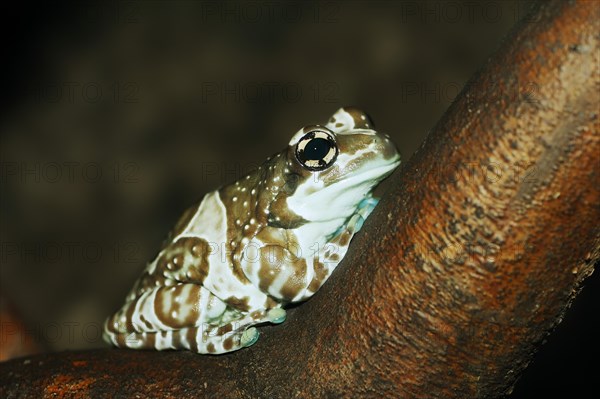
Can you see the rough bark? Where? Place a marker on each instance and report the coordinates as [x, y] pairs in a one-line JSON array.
[[471, 258]]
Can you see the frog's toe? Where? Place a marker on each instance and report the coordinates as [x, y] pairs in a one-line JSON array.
[[367, 204], [356, 222], [276, 315], [249, 337]]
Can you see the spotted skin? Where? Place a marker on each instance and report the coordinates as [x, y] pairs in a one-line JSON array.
[[246, 250]]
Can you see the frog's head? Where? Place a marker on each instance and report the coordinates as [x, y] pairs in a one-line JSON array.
[[332, 168]]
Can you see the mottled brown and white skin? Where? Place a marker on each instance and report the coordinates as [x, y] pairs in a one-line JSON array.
[[248, 249]]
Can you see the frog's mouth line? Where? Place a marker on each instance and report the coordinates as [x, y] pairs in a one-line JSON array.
[[376, 174]]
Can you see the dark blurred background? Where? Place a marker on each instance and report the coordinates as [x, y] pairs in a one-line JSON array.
[[117, 116]]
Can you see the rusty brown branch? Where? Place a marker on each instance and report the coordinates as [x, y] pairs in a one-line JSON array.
[[470, 260]]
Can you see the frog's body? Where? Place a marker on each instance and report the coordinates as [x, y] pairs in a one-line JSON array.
[[269, 239]]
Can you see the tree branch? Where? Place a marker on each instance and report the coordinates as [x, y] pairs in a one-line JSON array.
[[470, 259]]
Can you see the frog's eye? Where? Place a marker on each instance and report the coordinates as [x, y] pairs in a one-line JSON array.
[[317, 149]]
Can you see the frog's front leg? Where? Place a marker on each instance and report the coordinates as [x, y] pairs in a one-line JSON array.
[[356, 221], [335, 249]]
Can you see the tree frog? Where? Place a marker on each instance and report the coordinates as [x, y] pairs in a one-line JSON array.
[[248, 249]]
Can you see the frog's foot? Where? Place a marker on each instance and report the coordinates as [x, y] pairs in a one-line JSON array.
[[202, 339], [276, 315], [249, 337]]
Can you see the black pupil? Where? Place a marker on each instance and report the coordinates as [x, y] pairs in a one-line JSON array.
[[317, 149]]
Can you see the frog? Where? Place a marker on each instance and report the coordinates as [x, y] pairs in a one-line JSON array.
[[249, 249]]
